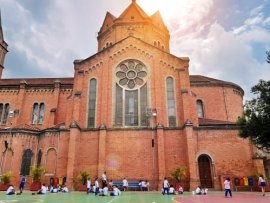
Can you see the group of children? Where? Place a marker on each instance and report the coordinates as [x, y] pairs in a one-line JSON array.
[[169, 189], [106, 187]]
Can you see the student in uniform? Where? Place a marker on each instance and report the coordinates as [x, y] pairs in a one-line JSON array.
[[125, 184], [165, 186], [42, 190], [262, 184], [10, 190], [115, 192], [96, 187], [88, 186], [171, 190]]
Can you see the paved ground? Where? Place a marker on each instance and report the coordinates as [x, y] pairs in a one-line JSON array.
[[238, 197], [136, 197]]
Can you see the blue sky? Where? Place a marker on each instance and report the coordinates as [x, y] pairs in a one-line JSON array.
[[225, 39]]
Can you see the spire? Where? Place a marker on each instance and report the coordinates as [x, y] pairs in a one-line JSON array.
[[133, 1]]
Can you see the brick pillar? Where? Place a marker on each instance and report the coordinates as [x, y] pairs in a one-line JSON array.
[[102, 150], [161, 155], [71, 163], [258, 165], [191, 154]]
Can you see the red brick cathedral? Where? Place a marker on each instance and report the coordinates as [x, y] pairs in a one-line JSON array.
[[132, 110]]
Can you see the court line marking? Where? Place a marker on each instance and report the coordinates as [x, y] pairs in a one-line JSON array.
[[112, 200]]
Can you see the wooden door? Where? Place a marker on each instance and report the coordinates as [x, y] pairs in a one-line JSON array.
[[205, 174]]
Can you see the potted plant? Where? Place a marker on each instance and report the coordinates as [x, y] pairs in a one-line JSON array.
[[179, 174], [82, 179], [5, 181], [36, 173]]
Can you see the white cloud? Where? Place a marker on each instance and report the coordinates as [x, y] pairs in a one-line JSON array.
[[224, 54]]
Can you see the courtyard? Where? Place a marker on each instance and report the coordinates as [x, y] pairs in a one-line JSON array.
[[136, 197]]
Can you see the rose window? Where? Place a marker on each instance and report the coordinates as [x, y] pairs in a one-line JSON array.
[[131, 74]]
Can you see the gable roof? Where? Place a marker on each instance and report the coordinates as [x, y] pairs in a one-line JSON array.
[[108, 21], [133, 8], [157, 20]]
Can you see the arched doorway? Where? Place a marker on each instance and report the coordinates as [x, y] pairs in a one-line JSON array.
[[205, 171]]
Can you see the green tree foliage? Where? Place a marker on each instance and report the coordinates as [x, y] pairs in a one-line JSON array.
[[179, 174], [83, 176], [255, 122]]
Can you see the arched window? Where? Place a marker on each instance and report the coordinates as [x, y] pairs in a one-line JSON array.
[[92, 103], [171, 102], [200, 111], [26, 162], [39, 158], [38, 113], [131, 94], [4, 110]]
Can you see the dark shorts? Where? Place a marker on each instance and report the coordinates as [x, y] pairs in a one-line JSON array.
[[262, 184]]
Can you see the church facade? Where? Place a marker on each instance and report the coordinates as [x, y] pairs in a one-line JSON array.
[[132, 110]]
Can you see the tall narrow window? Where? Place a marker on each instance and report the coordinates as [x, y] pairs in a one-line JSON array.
[[200, 111], [131, 94], [170, 102], [92, 103], [26, 162], [39, 158], [38, 113], [4, 110]]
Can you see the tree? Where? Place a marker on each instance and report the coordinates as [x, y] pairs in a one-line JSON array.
[[255, 121], [268, 56]]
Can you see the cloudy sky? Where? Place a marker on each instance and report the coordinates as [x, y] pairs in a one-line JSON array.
[[225, 39]]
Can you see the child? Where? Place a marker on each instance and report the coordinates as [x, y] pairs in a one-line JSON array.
[[171, 190], [10, 190], [180, 190], [116, 191], [227, 186], [262, 184], [198, 191]]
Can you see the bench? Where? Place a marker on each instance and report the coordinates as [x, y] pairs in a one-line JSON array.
[[134, 185]]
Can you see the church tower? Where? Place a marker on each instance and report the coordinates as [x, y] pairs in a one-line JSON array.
[[3, 48], [134, 22]]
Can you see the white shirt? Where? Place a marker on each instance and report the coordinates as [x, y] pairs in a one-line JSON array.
[[125, 183], [88, 183], [65, 189], [198, 190], [143, 184], [10, 189], [43, 189], [105, 191], [116, 191], [171, 190], [261, 179], [165, 183], [96, 184], [104, 177], [227, 184]]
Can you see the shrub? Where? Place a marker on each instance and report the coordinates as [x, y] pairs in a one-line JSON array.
[[36, 173], [6, 177], [83, 176]]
